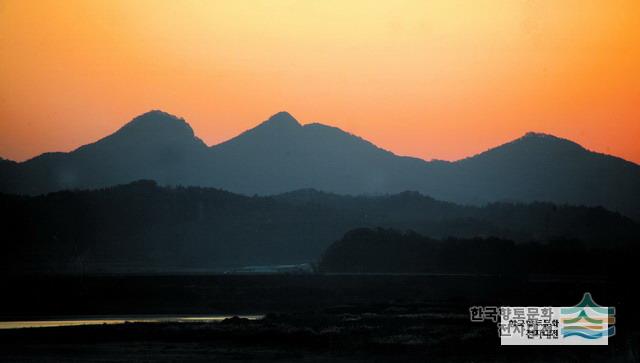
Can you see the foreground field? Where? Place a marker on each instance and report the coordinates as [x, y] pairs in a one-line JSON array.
[[349, 333], [308, 318]]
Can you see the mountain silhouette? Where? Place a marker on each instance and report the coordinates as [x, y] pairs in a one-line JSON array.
[[540, 167], [281, 155], [154, 145], [145, 227]]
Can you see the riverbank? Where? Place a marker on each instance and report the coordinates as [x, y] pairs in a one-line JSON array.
[[339, 334], [306, 318]]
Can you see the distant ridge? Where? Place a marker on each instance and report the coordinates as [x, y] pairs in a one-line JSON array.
[[142, 226], [280, 155]]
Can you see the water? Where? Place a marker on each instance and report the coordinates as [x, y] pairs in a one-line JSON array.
[[100, 320]]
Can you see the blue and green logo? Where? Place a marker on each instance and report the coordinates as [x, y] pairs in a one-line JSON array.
[[587, 320]]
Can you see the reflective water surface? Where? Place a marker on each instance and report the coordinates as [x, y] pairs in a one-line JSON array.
[[99, 320]]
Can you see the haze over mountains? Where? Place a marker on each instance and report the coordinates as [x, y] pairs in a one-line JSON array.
[[281, 155]]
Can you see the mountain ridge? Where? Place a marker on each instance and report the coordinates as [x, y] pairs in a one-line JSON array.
[[280, 154], [142, 226]]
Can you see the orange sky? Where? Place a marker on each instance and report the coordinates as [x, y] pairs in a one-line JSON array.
[[433, 79]]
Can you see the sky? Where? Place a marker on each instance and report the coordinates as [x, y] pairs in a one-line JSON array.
[[433, 79]]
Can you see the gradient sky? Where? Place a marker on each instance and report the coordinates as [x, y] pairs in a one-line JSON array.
[[433, 79]]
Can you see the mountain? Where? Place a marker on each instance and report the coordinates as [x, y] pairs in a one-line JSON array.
[[365, 250], [154, 145], [281, 155], [540, 167], [142, 227]]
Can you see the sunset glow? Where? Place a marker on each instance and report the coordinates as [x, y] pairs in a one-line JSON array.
[[432, 79]]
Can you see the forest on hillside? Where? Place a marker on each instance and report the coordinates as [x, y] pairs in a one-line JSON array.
[[144, 227], [380, 250]]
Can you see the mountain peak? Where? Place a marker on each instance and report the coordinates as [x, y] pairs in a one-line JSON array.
[[155, 123], [547, 139], [282, 119], [151, 128], [538, 135], [532, 135], [154, 116]]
